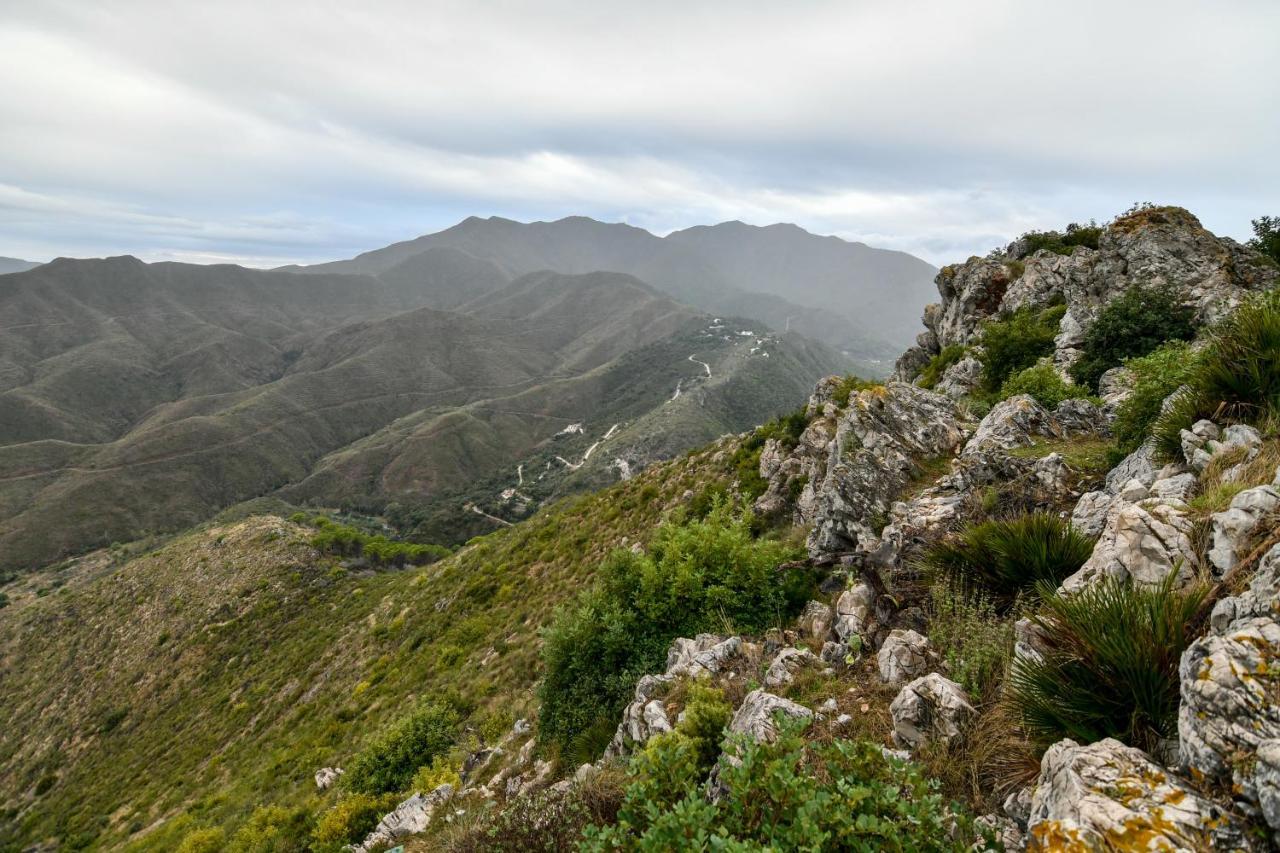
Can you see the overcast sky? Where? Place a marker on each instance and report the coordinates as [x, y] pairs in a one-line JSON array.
[[271, 132]]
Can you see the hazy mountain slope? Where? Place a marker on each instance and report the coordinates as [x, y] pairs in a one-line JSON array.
[[186, 458], [444, 277], [507, 454], [825, 287], [8, 265], [879, 292], [219, 672]]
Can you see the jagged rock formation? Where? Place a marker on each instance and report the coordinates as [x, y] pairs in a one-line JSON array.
[[932, 707], [409, 818], [1153, 246]]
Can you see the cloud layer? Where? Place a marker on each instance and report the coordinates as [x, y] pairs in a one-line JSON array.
[[274, 132]]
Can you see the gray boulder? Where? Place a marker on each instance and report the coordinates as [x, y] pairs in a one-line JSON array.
[[788, 662], [1145, 542], [756, 716], [1233, 527], [815, 620], [1108, 796], [409, 818], [960, 379], [930, 708], [855, 611], [903, 656]]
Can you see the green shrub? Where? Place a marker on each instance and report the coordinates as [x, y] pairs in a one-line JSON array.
[[972, 638], [346, 541], [443, 770], [1154, 377], [1237, 377], [1133, 324], [350, 819], [1043, 383], [273, 829], [698, 576], [791, 794], [1006, 558], [932, 373], [695, 741], [1016, 341], [1063, 242], [389, 762], [746, 459], [206, 840], [1111, 667], [1266, 237]]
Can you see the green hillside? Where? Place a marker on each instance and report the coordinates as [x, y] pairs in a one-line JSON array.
[[191, 684]]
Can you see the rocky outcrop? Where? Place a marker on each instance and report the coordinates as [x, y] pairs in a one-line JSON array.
[[930, 708], [1145, 542], [815, 620], [960, 379], [873, 454], [646, 715], [409, 818], [1229, 717], [1164, 246], [1108, 796]]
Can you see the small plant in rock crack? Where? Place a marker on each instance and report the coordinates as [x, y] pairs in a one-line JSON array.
[[1111, 664]]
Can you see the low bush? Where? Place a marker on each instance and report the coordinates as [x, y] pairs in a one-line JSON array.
[[932, 373], [791, 794], [1063, 242], [1008, 557], [974, 641], [390, 761], [697, 576], [1154, 377], [1236, 378], [346, 541], [273, 829], [443, 770], [206, 840], [1043, 383], [746, 459], [544, 820], [1111, 666], [1016, 341], [349, 820], [1133, 324]]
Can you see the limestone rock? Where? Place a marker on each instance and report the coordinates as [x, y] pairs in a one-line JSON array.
[[871, 456], [960, 379], [1108, 796], [1015, 422], [815, 620], [1144, 541], [755, 717], [930, 708], [903, 656], [855, 609], [409, 818], [1229, 717], [1233, 527], [786, 664], [705, 654], [1002, 829], [327, 776]]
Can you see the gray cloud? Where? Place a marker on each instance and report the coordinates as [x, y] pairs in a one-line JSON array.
[[272, 132]]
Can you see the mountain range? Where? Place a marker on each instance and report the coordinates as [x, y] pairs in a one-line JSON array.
[[455, 382], [781, 275]]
